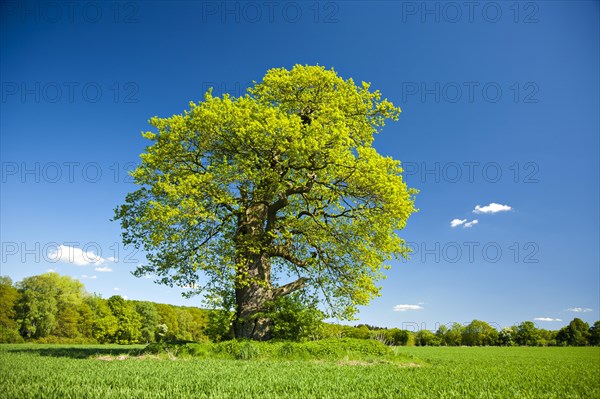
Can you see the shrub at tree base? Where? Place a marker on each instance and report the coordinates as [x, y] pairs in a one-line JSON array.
[[329, 349]]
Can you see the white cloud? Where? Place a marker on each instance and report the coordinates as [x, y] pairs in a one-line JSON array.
[[51, 271], [88, 277], [103, 269], [404, 308], [124, 297], [492, 208], [579, 310], [546, 319], [116, 289], [463, 222], [76, 256], [457, 222]]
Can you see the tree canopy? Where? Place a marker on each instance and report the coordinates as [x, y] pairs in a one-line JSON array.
[[252, 198]]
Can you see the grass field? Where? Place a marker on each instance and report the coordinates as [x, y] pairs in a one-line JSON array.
[[103, 371]]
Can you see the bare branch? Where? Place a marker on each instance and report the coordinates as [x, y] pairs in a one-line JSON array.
[[290, 287]]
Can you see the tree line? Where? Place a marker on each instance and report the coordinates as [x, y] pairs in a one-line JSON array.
[[52, 308]]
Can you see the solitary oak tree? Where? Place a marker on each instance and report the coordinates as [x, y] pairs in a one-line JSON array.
[[269, 193]]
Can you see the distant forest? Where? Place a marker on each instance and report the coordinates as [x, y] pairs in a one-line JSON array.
[[50, 308]]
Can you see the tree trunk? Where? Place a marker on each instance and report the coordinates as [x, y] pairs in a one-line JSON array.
[[253, 281], [252, 294], [251, 321]]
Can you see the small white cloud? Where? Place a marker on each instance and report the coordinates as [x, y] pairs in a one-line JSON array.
[[103, 269], [492, 208], [404, 308], [75, 256], [471, 223], [116, 289], [112, 259], [85, 276], [124, 297], [51, 271], [148, 276], [457, 222], [546, 319], [579, 310]]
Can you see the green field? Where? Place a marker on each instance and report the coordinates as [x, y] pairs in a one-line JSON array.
[[107, 371]]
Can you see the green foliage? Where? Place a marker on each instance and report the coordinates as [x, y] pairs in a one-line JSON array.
[[575, 334], [594, 336], [293, 320], [86, 320], [427, 338], [10, 335], [398, 337], [219, 325], [358, 332], [67, 322], [245, 350], [329, 330], [9, 296], [193, 327], [506, 336], [167, 315], [148, 320], [129, 322], [81, 318], [479, 333], [48, 302], [284, 179], [105, 325], [345, 346], [449, 336], [528, 334]]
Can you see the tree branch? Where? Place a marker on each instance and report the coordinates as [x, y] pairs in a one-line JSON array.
[[290, 287], [283, 252]]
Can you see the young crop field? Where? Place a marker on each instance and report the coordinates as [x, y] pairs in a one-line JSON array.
[[103, 371]]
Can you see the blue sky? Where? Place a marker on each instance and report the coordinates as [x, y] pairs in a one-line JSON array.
[[500, 106]]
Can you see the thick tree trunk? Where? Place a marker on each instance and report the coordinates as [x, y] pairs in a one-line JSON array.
[[252, 294], [251, 321], [253, 281], [253, 289]]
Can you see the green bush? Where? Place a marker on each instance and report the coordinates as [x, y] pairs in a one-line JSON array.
[[295, 320], [345, 346], [10, 336], [245, 350], [51, 339]]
